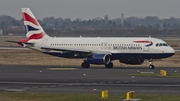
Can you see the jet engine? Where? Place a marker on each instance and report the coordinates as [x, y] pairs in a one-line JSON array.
[[99, 59]]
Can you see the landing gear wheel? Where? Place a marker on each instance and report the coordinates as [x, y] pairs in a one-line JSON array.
[[151, 66], [110, 65], [85, 65]]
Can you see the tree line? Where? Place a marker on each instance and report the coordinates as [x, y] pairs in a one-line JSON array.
[[130, 26]]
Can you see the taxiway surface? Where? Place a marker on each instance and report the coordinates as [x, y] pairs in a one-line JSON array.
[[70, 79]]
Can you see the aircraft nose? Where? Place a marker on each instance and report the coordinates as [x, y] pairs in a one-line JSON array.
[[171, 50]]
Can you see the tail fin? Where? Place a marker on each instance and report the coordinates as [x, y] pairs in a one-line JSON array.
[[33, 28]]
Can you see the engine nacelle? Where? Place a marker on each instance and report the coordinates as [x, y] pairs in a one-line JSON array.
[[132, 61], [99, 59]]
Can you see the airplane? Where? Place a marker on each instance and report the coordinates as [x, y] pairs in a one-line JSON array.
[[94, 50]]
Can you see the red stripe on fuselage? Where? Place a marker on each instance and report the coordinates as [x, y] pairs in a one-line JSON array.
[[143, 41], [30, 19]]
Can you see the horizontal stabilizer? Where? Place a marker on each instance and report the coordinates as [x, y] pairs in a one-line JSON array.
[[27, 44], [12, 41]]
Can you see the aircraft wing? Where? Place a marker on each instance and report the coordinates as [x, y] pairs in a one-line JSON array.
[[62, 49]]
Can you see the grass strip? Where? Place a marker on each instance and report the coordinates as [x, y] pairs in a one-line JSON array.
[[21, 96], [169, 75]]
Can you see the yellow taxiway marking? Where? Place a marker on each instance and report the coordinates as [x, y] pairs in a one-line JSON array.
[[62, 68], [133, 80]]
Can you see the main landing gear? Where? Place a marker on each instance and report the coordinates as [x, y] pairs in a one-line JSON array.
[[151, 66], [110, 65], [85, 65]]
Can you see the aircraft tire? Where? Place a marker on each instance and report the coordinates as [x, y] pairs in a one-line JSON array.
[[110, 65], [85, 65], [151, 66]]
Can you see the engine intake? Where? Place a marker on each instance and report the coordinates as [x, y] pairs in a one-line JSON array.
[[99, 59], [132, 61]]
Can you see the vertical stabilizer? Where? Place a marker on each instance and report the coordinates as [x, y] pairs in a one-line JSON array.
[[33, 28]]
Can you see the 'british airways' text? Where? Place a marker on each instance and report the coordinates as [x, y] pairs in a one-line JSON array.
[[127, 48]]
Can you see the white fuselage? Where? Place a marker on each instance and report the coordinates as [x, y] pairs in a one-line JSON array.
[[122, 45]]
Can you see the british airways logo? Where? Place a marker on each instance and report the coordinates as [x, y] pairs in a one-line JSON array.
[[33, 28], [146, 42], [28, 18]]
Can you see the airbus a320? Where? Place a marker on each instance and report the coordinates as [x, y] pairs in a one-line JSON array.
[[98, 51]]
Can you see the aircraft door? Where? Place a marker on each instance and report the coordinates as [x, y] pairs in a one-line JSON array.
[[44, 42], [145, 47]]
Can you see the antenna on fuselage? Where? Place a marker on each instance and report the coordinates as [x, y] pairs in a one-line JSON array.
[[149, 36]]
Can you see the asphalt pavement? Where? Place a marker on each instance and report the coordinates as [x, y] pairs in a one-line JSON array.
[[72, 79]]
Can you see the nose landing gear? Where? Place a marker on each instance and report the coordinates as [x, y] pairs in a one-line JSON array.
[[151, 66]]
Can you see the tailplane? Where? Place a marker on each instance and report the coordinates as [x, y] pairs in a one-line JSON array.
[[33, 28]]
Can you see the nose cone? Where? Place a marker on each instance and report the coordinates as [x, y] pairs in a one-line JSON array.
[[171, 51]]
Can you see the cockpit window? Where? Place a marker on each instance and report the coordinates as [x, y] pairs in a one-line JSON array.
[[161, 44], [157, 44], [164, 44]]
